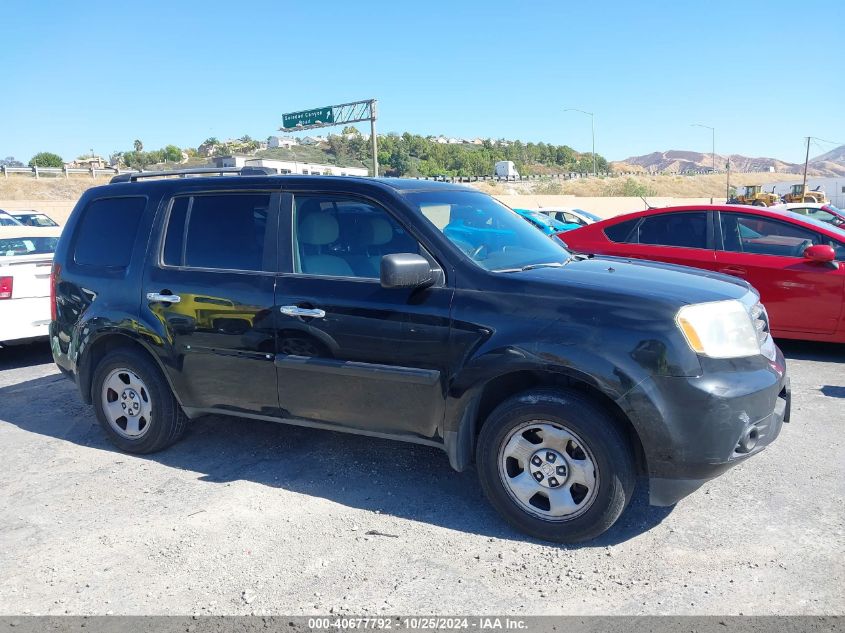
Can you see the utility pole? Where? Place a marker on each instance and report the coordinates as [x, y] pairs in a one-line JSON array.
[[806, 160], [728, 185], [713, 146], [592, 130], [373, 137]]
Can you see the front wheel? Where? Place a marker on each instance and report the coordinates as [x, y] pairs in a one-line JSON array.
[[555, 465]]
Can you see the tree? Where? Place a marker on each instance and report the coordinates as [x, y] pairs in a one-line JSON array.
[[173, 154], [139, 146], [10, 161], [46, 159]]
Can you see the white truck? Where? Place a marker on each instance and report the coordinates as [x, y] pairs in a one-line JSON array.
[[26, 260], [506, 169]]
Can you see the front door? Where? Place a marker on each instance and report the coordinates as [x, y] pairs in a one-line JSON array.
[[212, 290], [352, 353], [799, 295]]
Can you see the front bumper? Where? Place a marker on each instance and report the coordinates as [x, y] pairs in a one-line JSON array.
[[668, 491], [694, 429]]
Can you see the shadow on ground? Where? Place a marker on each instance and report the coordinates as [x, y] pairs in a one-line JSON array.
[[812, 350], [405, 480]]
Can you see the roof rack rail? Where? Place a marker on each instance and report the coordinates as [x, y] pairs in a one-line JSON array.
[[247, 170]]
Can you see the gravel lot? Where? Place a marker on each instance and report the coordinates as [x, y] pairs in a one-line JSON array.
[[252, 517]]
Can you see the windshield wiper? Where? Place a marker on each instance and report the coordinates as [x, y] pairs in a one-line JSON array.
[[533, 266]]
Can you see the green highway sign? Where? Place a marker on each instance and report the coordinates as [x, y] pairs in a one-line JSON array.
[[315, 116]]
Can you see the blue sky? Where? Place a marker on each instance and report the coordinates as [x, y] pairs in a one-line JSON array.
[[81, 75]]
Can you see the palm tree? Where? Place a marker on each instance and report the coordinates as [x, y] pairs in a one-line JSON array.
[[139, 146]]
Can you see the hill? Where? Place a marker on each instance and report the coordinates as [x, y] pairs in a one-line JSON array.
[[830, 164]]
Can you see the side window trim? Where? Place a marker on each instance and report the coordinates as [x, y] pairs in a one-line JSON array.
[[270, 237], [287, 226]]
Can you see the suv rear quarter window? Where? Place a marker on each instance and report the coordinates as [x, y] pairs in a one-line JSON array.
[[107, 231]]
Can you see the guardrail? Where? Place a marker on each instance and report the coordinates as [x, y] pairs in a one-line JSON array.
[[64, 171], [564, 176], [112, 171]]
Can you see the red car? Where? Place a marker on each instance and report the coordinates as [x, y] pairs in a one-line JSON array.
[[795, 262]]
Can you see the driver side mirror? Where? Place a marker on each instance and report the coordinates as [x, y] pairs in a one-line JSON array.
[[406, 270], [821, 253]]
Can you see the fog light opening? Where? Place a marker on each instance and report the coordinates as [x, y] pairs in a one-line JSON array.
[[748, 441]]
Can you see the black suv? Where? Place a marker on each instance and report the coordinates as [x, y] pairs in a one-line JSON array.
[[419, 311]]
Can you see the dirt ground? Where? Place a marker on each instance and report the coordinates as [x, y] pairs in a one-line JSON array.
[[251, 517]]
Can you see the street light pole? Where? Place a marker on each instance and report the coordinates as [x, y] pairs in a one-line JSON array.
[[592, 130], [713, 147]]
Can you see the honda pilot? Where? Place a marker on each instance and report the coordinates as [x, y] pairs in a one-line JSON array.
[[419, 311]]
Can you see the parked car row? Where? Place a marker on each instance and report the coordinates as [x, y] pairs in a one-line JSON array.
[[419, 311]]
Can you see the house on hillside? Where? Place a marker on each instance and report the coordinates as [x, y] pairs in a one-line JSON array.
[[88, 162], [313, 140], [285, 142]]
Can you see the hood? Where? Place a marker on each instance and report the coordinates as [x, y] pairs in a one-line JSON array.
[[650, 280]]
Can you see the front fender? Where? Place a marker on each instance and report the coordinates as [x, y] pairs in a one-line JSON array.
[[612, 376]]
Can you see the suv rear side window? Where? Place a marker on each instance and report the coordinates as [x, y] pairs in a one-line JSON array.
[[107, 231], [222, 231]]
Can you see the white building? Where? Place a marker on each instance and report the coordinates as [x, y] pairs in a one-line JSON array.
[[289, 166], [834, 187], [285, 142]]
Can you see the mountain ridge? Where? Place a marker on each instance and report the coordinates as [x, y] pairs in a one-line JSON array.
[[831, 163]]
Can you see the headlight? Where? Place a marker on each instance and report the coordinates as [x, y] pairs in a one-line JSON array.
[[721, 329]]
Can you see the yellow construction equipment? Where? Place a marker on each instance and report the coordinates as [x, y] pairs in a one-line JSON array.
[[754, 194], [800, 193]]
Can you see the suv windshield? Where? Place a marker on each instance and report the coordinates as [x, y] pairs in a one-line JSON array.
[[489, 233]]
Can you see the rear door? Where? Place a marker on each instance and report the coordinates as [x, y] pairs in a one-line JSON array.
[[678, 237], [800, 295], [351, 353], [210, 284]]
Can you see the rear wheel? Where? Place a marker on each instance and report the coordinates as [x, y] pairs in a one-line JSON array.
[[134, 403], [555, 465]]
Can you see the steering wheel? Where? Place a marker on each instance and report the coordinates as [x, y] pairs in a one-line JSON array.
[[476, 254], [468, 249], [803, 246]]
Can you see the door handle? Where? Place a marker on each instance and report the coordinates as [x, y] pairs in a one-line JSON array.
[[162, 298], [734, 270], [314, 313]]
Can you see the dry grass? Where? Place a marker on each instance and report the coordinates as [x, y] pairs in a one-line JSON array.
[[23, 187], [20, 187], [699, 186]]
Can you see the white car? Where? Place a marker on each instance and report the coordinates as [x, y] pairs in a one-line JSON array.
[[7, 220], [26, 260], [572, 216], [823, 212]]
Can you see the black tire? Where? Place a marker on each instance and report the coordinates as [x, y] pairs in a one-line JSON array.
[[612, 456], [759, 203], [167, 420]]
